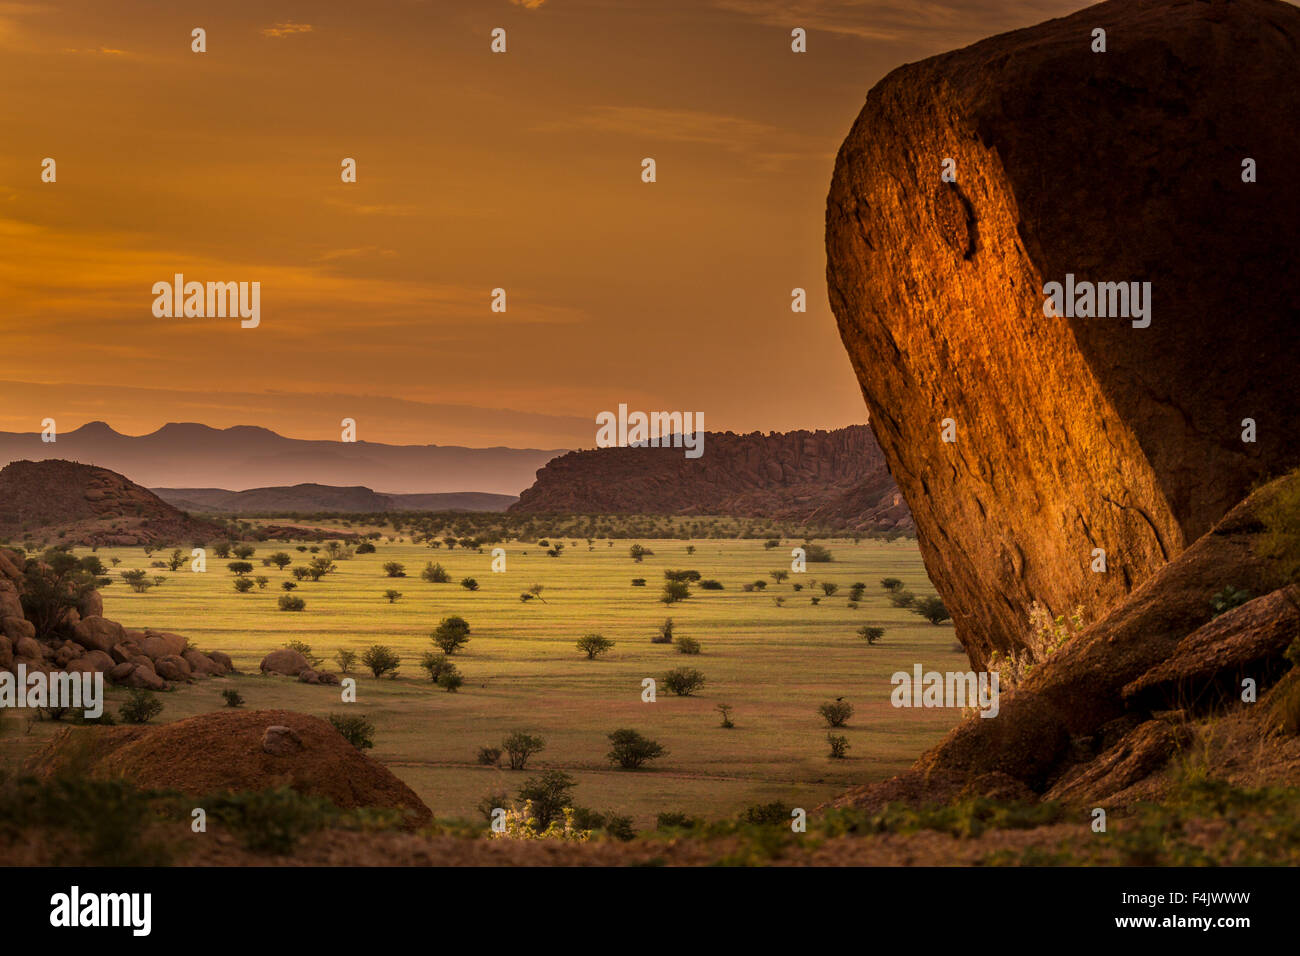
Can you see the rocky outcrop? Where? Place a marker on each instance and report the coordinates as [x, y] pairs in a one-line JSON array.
[[286, 662], [85, 505], [832, 479], [1074, 433]]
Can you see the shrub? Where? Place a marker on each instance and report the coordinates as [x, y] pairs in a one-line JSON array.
[[902, 598], [766, 814], [381, 660], [891, 584], [778, 576], [687, 645], [638, 553], [450, 679], [243, 585], [355, 729], [452, 634], [683, 681], [469, 584], [519, 746], [489, 757], [547, 796], [665, 633], [638, 582], [233, 698], [839, 745], [629, 749], [435, 664], [395, 569], [871, 634], [675, 820], [291, 602], [816, 554], [709, 584], [272, 821], [240, 567], [857, 591], [594, 645], [1227, 599], [932, 609], [435, 573], [829, 589], [685, 576], [675, 591], [346, 660], [725, 711], [620, 827], [140, 707], [392, 595], [836, 713]]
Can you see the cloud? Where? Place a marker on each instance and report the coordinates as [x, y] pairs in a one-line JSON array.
[[286, 29]]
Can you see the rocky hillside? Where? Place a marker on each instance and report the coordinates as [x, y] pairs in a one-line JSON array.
[[356, 499], [1075, 434], [836, 478], [1078, 434], [82, 504]]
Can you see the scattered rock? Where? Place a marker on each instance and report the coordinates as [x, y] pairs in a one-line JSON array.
[[173, 668], [98, 634], [1143, 752], [281, 741]]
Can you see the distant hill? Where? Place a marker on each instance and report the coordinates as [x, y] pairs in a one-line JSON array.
[[314, 497], [82, 504], [197, 456], [836, 478]]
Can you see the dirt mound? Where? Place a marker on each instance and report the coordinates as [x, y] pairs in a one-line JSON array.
[[224, 751], [1072, 431], [835, 478], [86, 505]]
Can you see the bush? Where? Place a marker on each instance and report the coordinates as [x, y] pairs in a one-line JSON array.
[[355, 729], [675, 591], [547, 796], [140, 707], [272, 821], [829, 588], [593, 645], [395, 569], [291, 602], [240, 567], [871, 634], [346, 660], [891, 584], [684, 576], [839, 745], [243, 585], [450, 680], [1227, 599], [638, 582], [452, 634], [836, 712], [902, 598], [816, 554], [233, 698], [435, 573], [392, 595], [664, 634], [932, 609], [520, 746], [620, 827], [381, 660], [766, 814], [303, 648], [683, 681], [675, 821], [638, 553], [489, 756], [687, 645], [630, 749], [366, 547], [435, 664], [725, 711], [709, 584]]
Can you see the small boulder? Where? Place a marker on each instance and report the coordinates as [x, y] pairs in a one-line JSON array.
[[201, 665], [328, 677], [91, 605], [281, 741], [159, 644], [6, 653], [143, 677], [173, 668], [16, 627], [10, 605], [223, 660], [286, 662], [28, 647], [98, 634], [309, 676]]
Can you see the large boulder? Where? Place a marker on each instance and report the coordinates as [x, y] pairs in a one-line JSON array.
[[10, 604], [6, 653], [1074, 433], [16, 627], [98, 634], [158, 644], [286, 662]]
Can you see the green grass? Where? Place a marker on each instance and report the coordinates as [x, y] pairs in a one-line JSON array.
[[522, 670]]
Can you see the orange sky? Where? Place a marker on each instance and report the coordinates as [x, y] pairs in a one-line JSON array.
[[519, 170]]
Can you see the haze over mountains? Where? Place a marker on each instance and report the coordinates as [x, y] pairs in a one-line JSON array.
[[193, 456], [312, 497]]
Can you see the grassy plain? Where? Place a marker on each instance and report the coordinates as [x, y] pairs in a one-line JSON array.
[[773, 664]]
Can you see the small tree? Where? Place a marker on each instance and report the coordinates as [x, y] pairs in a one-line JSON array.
[[687, 645], [519, 746], [288, 585], [829, 588], [836, 713], [233, 698], [243, 585], [347, 659], [891, 584], [871, 634], [395, 569], [381, 660], [779, 576], [593, 645], [435, 573], [435, 664], [280, 559], [547, 796], [932, 609], [140, 707], [683, 681], [665, 633], [839, 745], [291, 602], [452, 634], [675, 591], [725, 711], [629, 749], [243, 551], [469, 584], [355, 729], [240, 567], [392, 595]]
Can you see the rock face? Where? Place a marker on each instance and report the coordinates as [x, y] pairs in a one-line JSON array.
[[90, 506], [836, 478], [1075, 433]]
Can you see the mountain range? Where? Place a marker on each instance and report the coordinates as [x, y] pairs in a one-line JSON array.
[[314, 497], [190, 456]]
